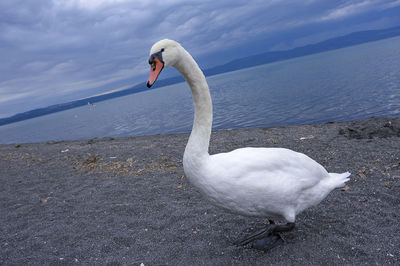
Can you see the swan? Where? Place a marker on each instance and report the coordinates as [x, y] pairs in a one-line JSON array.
[[274, 183]]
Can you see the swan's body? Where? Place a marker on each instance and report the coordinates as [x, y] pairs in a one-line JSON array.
[[267, 182]]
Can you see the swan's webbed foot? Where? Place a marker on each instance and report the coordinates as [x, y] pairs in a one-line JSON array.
[[268, 237], [268, 242]]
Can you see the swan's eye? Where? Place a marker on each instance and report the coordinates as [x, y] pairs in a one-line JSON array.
[[162, 50]]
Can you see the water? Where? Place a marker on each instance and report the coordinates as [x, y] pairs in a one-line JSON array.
[[347, 84]]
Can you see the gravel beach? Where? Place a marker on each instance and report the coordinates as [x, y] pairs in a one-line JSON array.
[[126, 201]]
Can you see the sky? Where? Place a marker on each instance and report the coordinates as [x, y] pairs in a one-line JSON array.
[[55, 51]]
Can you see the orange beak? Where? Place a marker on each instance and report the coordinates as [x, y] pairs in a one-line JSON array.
[[155, 70]]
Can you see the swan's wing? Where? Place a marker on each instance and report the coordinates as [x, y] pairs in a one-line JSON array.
[[269, 168]]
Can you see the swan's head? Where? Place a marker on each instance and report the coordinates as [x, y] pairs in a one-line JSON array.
[[164, 53]]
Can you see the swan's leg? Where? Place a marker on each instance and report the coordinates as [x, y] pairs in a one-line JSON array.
[[257, 235], [268, 237]]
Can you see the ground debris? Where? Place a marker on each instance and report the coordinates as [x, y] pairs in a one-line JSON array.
[[43, 201], [361, 173], [96, 164], [372, 128], [91, 160], [307, 137], [345, 188]]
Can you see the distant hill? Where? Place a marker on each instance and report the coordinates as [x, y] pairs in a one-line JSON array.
[[331, 44], [250, 61]]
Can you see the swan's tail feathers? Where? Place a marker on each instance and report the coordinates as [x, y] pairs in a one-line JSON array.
[[339, 180]]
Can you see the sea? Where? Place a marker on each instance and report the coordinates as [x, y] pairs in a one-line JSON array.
[[347, 84]]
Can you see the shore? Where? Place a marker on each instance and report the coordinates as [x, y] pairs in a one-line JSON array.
[[126, 201]]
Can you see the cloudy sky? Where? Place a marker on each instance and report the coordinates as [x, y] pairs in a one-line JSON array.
[[53, 51]]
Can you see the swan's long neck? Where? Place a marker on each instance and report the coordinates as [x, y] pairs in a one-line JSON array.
[[199, 139]]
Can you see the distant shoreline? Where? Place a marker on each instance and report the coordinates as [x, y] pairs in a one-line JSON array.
[[375, 126], [352, 39]]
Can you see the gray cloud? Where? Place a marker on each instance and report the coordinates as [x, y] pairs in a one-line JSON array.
[[55, 50]]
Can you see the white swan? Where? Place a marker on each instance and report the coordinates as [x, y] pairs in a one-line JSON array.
[[269, 182]]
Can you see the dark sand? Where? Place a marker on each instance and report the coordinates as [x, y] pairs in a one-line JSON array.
[[126, 201]]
